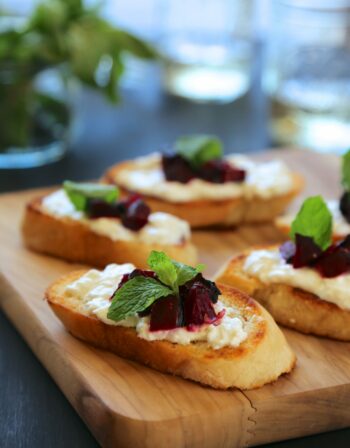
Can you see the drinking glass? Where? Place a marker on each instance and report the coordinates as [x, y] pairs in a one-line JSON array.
[[307, 74], [206, 48]]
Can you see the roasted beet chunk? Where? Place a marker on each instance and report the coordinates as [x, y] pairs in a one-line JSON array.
[[198, 307], [97, 208], [344, 205], [211, 287], [221, 171], [334, 261], [306, 251], [136, 215], [176, 168], [166, 314]]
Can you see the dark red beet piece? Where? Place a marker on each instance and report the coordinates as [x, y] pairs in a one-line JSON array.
[[96, 208], [344, 205], [176, 168], [306, 251], [198, 307], [166, 314], [221, 171], [287, 251], [136, 215], [334, 261], [211, 287]]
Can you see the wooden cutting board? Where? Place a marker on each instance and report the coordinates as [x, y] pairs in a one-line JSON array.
[[127, 405]]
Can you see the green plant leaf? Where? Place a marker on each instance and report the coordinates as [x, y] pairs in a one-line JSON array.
[[135, 296], [186, 273], [170, 272], [314, 220], [345, 170], [164, 267], [198, 149], [80, 193]]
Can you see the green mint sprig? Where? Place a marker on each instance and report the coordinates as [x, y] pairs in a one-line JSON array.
[[140, 292], [345, 171], [80, 193], [314, 220], [198, 149], [134, 296]]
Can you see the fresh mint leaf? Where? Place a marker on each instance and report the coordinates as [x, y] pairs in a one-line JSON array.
[[164, 267], [314, 220], [186, 273], [198, 149], [170, 272], [345, 170], [80, 193], [135, 296]]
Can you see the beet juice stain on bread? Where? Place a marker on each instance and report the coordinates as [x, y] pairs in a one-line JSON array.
[[173, 319], [88, 223], [196, 183], [305, 283], [340, 209]]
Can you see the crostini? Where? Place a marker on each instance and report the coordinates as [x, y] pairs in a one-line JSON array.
[[304, 283], [196, 183], [86, 223], [174, 320], [339, 208]]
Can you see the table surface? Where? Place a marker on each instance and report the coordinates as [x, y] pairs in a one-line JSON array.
[[33, 410]]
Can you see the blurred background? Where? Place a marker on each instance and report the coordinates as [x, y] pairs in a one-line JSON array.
[[85, 84]]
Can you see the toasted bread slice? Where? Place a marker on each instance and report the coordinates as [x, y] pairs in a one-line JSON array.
[[71, 240], [292, 307], [228, 212], [259, 359]]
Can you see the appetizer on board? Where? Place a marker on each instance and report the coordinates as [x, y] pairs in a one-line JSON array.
[[173, 319], [197, 183], [305, 283], [88, 223]]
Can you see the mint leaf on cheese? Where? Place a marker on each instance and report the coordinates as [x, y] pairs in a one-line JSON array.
[[135, 296], [314, 220], [80, 193], [345, 170], [198, 149], [164, 267], [186, 273], [170, 272]]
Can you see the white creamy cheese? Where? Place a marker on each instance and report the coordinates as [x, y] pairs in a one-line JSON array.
[[161, 228], [340, 225], [94, 289], [269, 267], [263, 180]]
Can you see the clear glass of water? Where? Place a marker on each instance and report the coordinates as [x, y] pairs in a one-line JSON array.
[[307, 73], [206, 48]]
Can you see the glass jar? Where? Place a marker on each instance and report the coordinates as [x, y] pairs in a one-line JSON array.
[[307, 75], [206, 48], [34, 116]]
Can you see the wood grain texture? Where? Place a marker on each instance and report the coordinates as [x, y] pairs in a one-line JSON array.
[[125, 404]]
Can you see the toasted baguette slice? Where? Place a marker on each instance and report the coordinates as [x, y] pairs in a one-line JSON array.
[[228, 212], [260, 359], [73, 241], [292, 307]]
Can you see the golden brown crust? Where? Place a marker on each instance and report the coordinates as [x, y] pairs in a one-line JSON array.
[[73, 241], [292, 307], [228, 367], [228, 212]]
